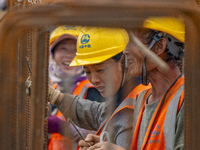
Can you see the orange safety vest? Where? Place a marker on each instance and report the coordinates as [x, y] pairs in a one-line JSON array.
[[160, 133], [57, 141], [125, 104]]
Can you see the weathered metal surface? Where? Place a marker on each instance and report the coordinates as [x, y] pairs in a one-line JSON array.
[[28, 100], [20, 134], [39, 90], [192, 81], [14, 5], [102, 13]]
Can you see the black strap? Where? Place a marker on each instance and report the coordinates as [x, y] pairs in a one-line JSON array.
[[144, 73]]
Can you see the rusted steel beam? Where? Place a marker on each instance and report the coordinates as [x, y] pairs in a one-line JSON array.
[[192, 81], [23, 128], [198, 1], [39, 90]]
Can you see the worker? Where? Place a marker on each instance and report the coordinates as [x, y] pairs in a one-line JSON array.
[[99, 51], [62, 77], [66, 79], [159, 111], [163, 128]]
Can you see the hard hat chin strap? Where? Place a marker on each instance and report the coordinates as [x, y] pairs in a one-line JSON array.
[[144, 73], [155, 39], [125, 70]]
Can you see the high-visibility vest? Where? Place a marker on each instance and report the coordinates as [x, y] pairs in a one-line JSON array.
[[57, 141], [128, 102], [82, 88], [160, 133]]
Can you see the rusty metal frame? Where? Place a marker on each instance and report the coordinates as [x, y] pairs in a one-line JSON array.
[[125, 14]]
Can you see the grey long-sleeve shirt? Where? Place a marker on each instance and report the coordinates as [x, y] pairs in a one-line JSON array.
[[91, 115]]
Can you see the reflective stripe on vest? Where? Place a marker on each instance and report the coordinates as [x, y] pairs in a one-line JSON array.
[[160, 133], [55, 86], [138, 89], [128, 102], [82, 88]]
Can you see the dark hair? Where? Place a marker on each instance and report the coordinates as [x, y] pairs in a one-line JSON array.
[[147, 36], [118, 56]]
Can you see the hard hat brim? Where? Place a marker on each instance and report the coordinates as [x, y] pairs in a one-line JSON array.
[[59, 39], [170, 25], [92, 60]]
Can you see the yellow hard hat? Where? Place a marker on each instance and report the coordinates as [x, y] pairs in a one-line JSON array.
[[62, 30], [97, 44], [170, 25], [62, 33]]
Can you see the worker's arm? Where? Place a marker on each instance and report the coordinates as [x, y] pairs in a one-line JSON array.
[[84, 113], [54, 96]]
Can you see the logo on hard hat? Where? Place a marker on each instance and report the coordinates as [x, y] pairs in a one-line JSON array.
[[85, 38], [70, 28]]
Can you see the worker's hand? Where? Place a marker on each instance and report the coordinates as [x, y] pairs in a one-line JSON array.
[[105, 146], [90, 138], [53, 95]]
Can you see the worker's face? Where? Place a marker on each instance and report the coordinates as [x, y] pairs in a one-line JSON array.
[[64, 53], [106, 77], [134, 59]]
